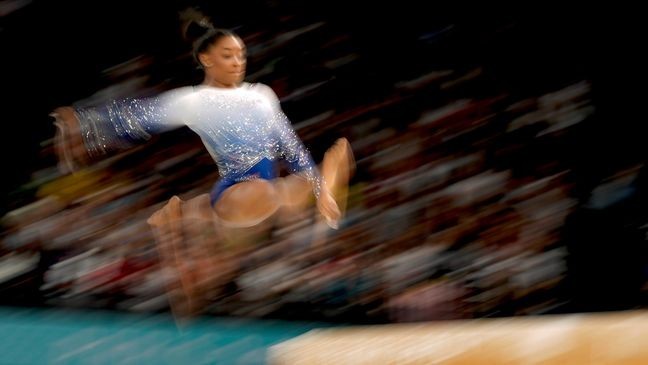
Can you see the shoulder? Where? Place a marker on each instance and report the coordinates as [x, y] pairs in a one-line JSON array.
[[262, 89], [177, 94]]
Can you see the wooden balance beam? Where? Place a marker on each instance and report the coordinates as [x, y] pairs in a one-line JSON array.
[[604, 338]]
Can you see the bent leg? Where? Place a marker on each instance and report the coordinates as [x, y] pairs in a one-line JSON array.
[[190, 246], [337, 168], [245, 213], [247, 204], [166, 225]]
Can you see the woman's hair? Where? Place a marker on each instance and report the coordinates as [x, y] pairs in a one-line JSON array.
[[200, 33]]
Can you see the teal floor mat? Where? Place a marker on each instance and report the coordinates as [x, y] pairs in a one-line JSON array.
[[58, 336]]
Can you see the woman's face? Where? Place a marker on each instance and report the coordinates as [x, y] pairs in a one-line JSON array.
[[224, 61]]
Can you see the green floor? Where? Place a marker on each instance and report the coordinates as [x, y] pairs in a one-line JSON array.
[[37, 336]]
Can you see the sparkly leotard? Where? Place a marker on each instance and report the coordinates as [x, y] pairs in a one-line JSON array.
[[240, 127]]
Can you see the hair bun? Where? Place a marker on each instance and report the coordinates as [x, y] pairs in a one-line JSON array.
[[195, 24]]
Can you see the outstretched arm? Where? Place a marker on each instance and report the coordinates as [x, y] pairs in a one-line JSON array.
[[300, 161], [87, 133]]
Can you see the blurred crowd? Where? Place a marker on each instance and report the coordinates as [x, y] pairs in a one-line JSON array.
[[467, 200]]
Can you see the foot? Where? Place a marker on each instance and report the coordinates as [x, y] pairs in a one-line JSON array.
[[337, 168]]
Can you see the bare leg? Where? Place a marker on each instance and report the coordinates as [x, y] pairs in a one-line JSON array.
[[200, 247], [203, 242], [245, 213], [295, 193], [166, 224], [191, 235], [247, 204], [190, 241], [296, 196]]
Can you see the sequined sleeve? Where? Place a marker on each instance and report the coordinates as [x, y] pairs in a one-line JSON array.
[[295, 153], [124, 123], [291, 148]]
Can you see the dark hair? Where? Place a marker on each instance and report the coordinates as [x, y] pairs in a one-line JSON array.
[[199, 31]]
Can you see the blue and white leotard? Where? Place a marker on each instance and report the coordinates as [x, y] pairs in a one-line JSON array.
[[243, 128]]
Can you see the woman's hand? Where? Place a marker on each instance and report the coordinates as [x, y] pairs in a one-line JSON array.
[[329, 208], [69, 146]]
